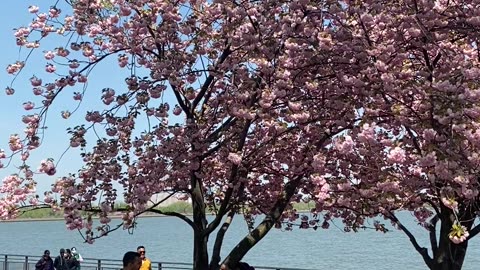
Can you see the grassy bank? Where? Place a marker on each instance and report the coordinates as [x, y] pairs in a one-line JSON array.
[[48, 213], [179, 207]]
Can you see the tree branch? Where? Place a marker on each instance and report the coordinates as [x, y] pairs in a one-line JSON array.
[[414, 139], [233, 175], [432, 228], [474, 232], [421, 250], [226, 52], [227, 124], [105, 233], [219, 241], [181, 102], [163, 200], [264, 227], [175, 214]]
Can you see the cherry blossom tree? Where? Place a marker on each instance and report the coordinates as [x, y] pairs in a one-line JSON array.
[[417, 145], [259, 89]]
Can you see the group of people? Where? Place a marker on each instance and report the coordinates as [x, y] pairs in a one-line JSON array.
[[138, 261], [69, 259]]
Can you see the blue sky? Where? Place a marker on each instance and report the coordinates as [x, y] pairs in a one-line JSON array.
[[11, 110], [15, 15], [56, 140]]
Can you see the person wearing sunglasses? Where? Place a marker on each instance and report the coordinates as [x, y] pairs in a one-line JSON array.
[[146, 263], [45, 263]]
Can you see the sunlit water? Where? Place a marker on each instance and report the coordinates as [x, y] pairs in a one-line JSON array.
[[170, 239]]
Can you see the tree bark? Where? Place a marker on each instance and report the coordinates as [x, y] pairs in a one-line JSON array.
[[443, 257], [200, 239], [215, 261], [262, 229], [450, 256], [200, 251]]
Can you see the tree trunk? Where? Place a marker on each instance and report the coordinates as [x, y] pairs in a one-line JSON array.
[[215, 261], [200, 239], [247, 243], [449, 256], [200, 252]]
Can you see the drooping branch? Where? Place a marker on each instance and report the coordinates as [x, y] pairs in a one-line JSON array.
[[421, 250], [151, 209], [175, 214], [29, 208], [104, 233], [87, 67]]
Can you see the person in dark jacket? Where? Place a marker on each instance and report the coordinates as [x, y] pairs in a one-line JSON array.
[[45, 263], [72, 263], [244, 266], [239, 266], [60, 263]]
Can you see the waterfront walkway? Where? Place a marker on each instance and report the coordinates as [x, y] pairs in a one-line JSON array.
[[27, 262]]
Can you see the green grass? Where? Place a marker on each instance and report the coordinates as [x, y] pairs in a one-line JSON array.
[[42, 213], [304, 206], [179, 207]]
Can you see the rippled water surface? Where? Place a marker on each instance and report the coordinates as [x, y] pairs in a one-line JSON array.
[[170, 239]]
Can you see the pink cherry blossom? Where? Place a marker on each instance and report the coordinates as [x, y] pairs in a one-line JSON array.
[[177, 110], [50, 68], [235, 158], [33, 9], [450, 203], [28, 105], [77, 96], [9, 91], [363, 108], [396, 155], [35, 81], [15, 143], [49, 55], [47, 166]]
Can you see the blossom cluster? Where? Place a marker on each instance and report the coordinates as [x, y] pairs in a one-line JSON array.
[[352, 104]]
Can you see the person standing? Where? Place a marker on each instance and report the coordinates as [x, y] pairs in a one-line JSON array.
[[131, 261], [146, 263], [60, 262], [72, 263], [45, 263], [77, 256]]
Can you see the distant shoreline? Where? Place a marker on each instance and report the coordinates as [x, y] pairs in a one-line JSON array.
[[112, 217], [61, 218]]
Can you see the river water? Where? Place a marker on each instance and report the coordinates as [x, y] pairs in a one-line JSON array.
[[170, 239]]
